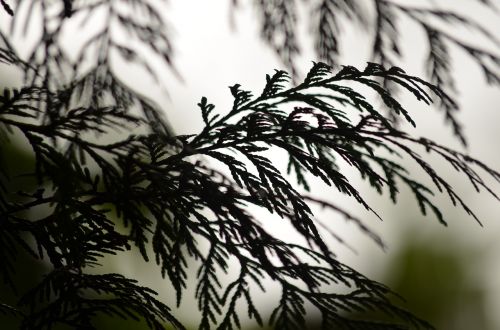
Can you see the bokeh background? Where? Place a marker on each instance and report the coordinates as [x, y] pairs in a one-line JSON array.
[[448, 276]]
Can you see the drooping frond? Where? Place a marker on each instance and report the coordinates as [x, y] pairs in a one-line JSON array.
[[381, 20]]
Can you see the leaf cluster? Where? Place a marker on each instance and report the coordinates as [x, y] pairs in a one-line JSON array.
[[163, 194], [381, 21]]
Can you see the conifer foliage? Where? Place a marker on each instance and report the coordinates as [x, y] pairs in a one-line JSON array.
[[160, 192]]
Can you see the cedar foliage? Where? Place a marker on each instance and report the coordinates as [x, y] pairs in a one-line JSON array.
[[173, 204]]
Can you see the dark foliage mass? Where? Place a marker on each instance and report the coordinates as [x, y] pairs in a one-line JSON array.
[[382, 20], [160, 193]]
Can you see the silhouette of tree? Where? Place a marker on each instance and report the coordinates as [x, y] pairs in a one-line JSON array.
[[176, 206]]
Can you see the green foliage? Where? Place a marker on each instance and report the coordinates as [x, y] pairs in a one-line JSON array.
[[176, 206], [433, 273]]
